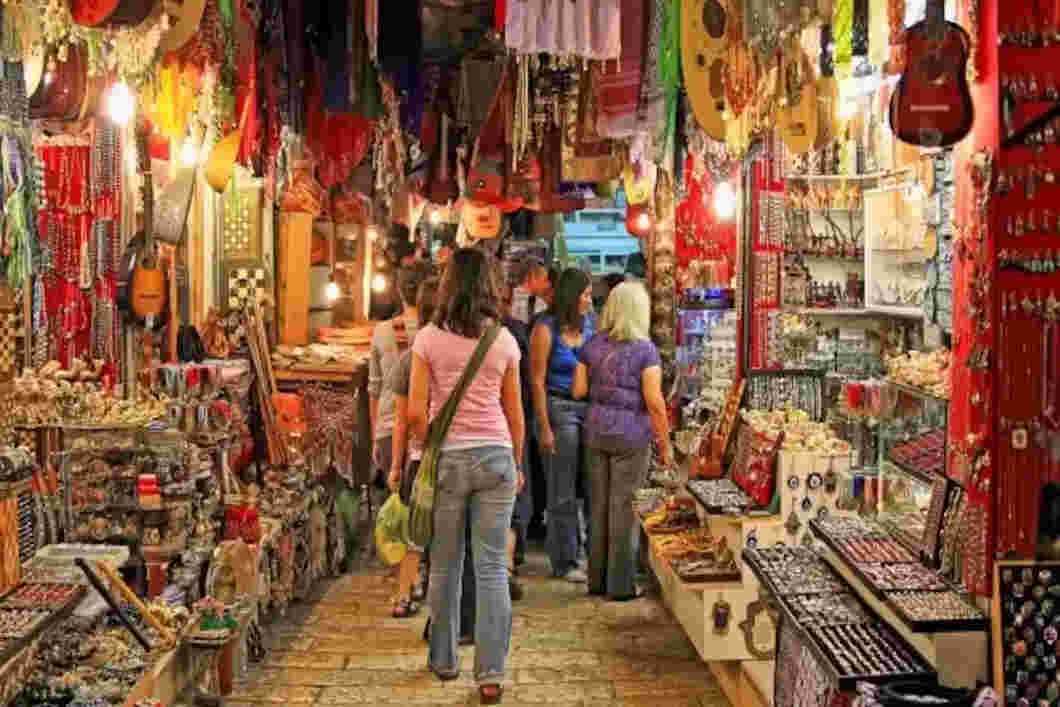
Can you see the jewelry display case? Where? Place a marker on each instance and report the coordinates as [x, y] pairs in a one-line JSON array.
[[896, 252]]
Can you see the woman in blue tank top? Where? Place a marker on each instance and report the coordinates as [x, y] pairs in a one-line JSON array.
[[554, 345]]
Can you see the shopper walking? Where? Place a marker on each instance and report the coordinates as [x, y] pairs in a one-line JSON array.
[[554, 344], [406, 457], [477, 473], [389, 339], [620, 370]]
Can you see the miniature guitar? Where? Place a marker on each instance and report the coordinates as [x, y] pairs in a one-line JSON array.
[[147, 289], [932, 106]]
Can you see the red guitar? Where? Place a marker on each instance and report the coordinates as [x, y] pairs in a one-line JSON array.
[[931, 105]]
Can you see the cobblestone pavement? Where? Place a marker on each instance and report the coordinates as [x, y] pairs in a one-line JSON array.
[[568, 650]]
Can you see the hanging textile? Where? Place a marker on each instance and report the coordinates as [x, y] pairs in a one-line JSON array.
[[364, 81], [586, 156], [274, 87], [670, 70], [589, 29], [618, 90], [651, 104]]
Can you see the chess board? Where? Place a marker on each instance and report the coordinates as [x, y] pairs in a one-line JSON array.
[[10, 334], [246, 282]]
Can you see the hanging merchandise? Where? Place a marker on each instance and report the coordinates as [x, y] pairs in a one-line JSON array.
[[618, 90], [587, 156], [703, 60], [586, 29], [944, 85]]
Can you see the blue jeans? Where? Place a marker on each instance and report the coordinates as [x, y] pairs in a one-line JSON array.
[[562, 470], [479, 482]]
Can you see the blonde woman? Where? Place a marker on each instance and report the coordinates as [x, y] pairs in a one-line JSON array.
[[620, 370]]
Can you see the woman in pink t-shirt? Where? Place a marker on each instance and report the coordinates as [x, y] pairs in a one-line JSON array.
[[477, 472]]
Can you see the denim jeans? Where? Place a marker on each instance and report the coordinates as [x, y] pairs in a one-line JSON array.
[[613, 476], [562, 469], [479, 483]]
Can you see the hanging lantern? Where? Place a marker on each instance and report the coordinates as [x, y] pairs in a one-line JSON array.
[[639, 220]]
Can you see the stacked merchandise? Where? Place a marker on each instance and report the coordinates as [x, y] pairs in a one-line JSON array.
[[828, 639], [719, 362]]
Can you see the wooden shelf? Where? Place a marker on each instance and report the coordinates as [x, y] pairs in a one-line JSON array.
[[846, 177]]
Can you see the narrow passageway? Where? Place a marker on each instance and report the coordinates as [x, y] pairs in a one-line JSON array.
[[567, 649]]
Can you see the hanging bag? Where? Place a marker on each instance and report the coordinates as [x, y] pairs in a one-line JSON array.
[[421, 505]]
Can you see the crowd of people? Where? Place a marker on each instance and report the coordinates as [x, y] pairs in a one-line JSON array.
[[573, 396]]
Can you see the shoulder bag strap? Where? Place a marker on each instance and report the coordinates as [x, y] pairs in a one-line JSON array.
[[440, 425]]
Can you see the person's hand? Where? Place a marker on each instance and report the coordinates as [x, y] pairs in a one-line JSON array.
[[666, 455], [521, 482], [393, 481], [547, 440]]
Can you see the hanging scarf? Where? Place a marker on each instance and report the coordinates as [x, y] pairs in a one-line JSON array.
[[651, 108], [843, 34], [618, 91], [670, 65]]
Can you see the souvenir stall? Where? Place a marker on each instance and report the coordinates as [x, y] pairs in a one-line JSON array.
[[165, 178]]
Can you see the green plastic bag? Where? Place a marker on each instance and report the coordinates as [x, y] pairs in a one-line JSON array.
[[392, 530]]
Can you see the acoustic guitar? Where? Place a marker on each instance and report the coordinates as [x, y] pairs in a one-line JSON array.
[[797, 117], [147, 290], [931, 105], [704, 44]]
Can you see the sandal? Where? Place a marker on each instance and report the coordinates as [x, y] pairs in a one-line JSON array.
[[490, 694], [419, 592], [405, 608]]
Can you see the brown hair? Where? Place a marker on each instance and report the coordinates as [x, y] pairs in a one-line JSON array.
[[426, 300], [565, 302], [469, 295]]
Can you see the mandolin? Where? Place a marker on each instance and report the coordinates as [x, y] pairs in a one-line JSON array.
[[147, 289], [797, 118], [704, 44], [931, 105]]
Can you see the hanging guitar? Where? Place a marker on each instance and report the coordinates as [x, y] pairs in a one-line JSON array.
[[142, 291], [931, 106]]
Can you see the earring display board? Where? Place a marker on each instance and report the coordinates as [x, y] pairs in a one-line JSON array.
[[895, 272], [1025, 630]]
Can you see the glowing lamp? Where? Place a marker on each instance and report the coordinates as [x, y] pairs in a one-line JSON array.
[[120, 103], [638, 220], [378, 283], [724, 201]]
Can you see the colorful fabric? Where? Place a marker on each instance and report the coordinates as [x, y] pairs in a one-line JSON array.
[[651, 108], [618, 91]]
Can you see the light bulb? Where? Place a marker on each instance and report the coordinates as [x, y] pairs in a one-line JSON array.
[[847, 109], [643, 222], [372, 232], [120, 103], [378, 283], [189, 153], [724, 201], [332, 291], [435, 217]]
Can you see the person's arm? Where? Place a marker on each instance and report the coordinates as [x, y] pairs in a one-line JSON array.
[[512, 404], [375, 382], [400, 441], [540, 348], [580, 386], [419, 390], [651, 387]]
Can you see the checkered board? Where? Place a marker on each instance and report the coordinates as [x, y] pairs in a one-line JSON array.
[[246, 283], [11, 333]]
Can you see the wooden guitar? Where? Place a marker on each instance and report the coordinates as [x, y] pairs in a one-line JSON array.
[[931, 106], [704, 45], [147, 290], [797, 118]]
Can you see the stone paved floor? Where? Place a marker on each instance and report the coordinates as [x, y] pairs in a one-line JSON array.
[[567, 649]]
